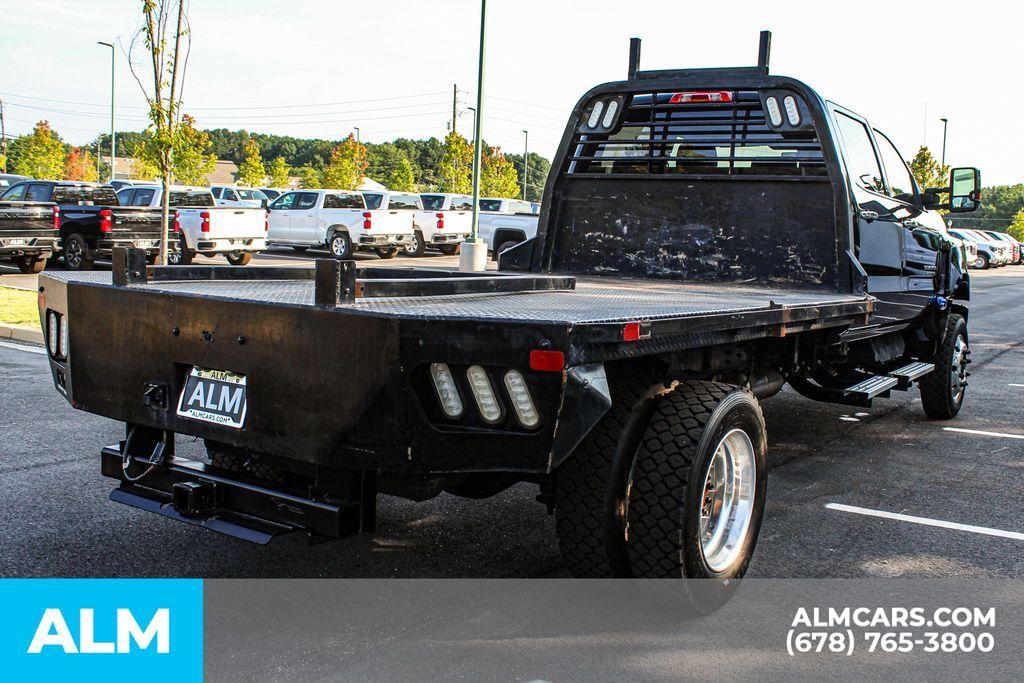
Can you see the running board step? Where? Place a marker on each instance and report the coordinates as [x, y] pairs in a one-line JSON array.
[[872, 387], [908, 374]]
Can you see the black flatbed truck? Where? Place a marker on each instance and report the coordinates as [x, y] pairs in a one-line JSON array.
[[696, 253]]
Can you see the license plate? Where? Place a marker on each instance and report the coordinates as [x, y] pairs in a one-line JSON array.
[[15, 242], [215, 396]]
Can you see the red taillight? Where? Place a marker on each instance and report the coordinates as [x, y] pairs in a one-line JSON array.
[[177, 222], [701, 97], [205, 225], [367, 220], [56, 218], [547, 361], [106, 220], [440, 221]]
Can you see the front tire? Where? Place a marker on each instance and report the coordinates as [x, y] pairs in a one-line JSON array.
[[340, 246], [418, 246], [696, 491], [982, 262], [30, 265], [943, 389], [241, 258], [76, 253], [386, 252], [449, 249]]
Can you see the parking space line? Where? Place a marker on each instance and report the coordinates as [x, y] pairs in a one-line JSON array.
[[22, 347], [983, 433], [926, 521], [1016, 385]]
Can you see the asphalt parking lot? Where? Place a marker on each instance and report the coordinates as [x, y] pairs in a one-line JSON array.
[[834, 470]]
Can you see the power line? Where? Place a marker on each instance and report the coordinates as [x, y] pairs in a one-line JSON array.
[[281, 106]]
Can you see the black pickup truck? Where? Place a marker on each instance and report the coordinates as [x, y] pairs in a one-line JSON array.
[[28, 227], [708, 237], [87, 219]]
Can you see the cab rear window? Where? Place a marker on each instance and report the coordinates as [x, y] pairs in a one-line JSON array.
[[98, 195]]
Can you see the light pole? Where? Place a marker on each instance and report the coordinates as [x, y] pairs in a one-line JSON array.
[[474, 251], [356, 129], [526, 161], [945, 122], [472, 109], [113, 137]]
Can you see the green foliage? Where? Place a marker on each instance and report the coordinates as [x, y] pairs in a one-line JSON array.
[[192, 160], [390, 165], [497, 175], [252, 172], [309, 177], [539, 168], [927, 171], [80, 165], [39, 154], [1016, 228], [455, 168], [1000, 205], [3, 163], [347, 165], [278, 173]]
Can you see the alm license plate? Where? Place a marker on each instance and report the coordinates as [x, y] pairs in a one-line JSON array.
[[215, 396], [15, 242]]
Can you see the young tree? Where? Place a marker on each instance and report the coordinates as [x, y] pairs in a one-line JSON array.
[[80, 165], [192, 161], [927, 171], [497, 175], [1016, 228], [390, 165], [39, 154], [145, 165], [309, 178], [164, 25], [279, 173], [347, 165], [251, 171], [539, 167], [455, 170]]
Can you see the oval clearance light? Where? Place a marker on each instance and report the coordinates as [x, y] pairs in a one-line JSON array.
[[774, 113], [483, 394], [792, 112], [595, 114], [64, 339], [522, 402], [52, 332], [609, 115], [447, 391]]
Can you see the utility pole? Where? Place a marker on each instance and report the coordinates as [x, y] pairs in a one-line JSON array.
[[945, 122], [3, 137], [455, 104], [526, 162], [113, 136], [356, 128], [474, 251]]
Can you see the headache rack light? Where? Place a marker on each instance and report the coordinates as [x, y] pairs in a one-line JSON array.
[[702, 97]]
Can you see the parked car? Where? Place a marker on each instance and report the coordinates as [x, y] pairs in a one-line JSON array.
[[992, 253], [339, 220], [229, 195], [505, 223], [440, 229], [28, 229], [1018, 248], [9, 179], [237, 232]]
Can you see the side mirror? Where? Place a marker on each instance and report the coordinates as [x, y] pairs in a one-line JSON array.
[[930, 200], [964, 190]]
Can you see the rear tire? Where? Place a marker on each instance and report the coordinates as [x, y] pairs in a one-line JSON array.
[[76, 253], [386, 252], [179, 254], [696, 490], [503, 246], [340, 246], [30, 265], [417, 248], [943, 389], [239, 258], [450, 249]]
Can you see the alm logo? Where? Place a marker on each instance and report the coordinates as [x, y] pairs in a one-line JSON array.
[[53, 632]]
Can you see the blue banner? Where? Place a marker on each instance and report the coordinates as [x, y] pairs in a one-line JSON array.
[[85, 629]]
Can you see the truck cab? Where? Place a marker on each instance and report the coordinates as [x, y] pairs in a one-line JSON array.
[[230, 195]]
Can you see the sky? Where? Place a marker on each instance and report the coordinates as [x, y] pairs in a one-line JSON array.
[[316, 68]]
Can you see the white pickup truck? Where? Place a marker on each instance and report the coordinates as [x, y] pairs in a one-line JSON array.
[[505, 223], [229, 195], [203, 228], [443, 229], [341, 220]]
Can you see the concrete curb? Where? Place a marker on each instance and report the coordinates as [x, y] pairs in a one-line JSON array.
[[22, 333]]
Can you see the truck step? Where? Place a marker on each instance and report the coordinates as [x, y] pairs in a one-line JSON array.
[[908, 374], [872, 387]]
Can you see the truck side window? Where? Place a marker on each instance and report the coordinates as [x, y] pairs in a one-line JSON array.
[[373, 201], [307, 200], [38, 193], [216, 192], [124, 197], [460, 204], [490, 205], [284, 202], [901, 183], [343, 201], [142, 197], [860, 154], [15, 194]]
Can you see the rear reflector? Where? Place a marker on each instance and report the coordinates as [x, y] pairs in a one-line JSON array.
[[547, 361], [631, 332], [701, 97]]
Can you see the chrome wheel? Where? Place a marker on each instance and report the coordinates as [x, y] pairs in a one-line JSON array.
[[958, 369], [339, 247], [728, 501]]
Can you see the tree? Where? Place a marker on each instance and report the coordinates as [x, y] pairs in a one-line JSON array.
[[1016, 228], [145, 164], [279, 173], [39, 154], [347, 165], [192, 160], [390, 165], [251, 171], [80, 165], [539, 167], [309, 178], [455, 168], [497, 175], [927, 171]]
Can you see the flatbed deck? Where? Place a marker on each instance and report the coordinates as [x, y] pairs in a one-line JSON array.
[[593, 301]]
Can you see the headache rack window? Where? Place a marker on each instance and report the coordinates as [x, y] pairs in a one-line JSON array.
[[728, 138]]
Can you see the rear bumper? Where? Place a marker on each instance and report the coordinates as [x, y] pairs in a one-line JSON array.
[[386, 240], [449, 237], [232, 244], [149, 244], [28, 246]]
